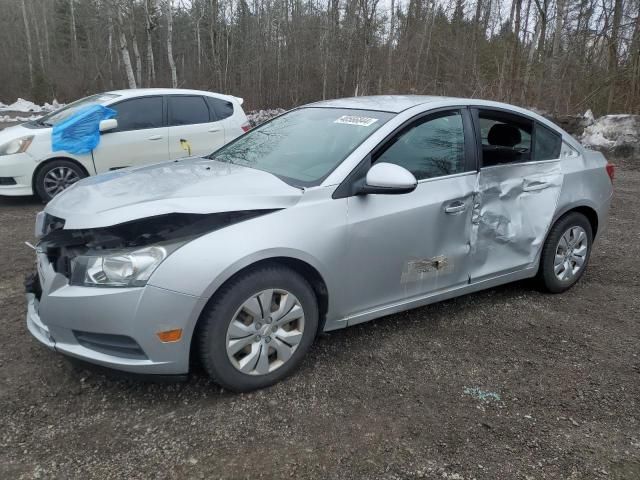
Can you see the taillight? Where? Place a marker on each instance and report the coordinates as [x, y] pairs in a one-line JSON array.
[[611, 170], [246, 127]]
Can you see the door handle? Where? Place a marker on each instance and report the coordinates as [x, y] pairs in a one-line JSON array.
[[155, 137], [535, 186], [455, 207], [213, 130]]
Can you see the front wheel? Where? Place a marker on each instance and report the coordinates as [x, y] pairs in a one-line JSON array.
[[258, 328], [55, 176], [566, 252]]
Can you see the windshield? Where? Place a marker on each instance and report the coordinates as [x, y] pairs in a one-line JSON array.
[[303, 146], [62, 114]]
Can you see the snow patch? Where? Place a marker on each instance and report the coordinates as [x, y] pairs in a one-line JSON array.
[[22, 105], [612, 132], [7, 118], [589, 119], [256, 117], [27, 106]]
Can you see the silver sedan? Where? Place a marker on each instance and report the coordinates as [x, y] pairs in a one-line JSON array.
[[330, 215]]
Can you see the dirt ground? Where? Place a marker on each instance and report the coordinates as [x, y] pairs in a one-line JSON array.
[[508, 383]]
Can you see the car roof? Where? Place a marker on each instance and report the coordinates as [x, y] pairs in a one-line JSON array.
[[143, 92], [399, 103], [384, 103]]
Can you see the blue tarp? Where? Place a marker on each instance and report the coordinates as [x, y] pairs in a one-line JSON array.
[[80, 133]]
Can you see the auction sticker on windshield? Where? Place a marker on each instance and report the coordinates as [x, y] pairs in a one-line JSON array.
[[360, 121]]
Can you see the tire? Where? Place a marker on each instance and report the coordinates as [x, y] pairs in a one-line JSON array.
[[66, 172], [263, 340], [567, 230]]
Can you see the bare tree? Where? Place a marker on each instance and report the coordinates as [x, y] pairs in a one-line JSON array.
[[74, 33], [46, 33], [134, 42], [28, 36], [172, 64], [150, 25], [612, 68], [124, 50]]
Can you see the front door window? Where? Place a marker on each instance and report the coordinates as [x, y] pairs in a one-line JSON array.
[[430, 148]]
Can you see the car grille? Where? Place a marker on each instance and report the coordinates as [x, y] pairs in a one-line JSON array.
[[116, 345]]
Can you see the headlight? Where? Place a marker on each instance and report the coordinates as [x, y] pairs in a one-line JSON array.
[[18, 145], [118, 269]]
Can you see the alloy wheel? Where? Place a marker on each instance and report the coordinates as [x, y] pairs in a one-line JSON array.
[[59, 178], [265, 332], [571, 253]]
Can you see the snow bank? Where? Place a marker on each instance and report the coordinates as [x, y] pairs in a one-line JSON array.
[[7, 118], [22, 105], [618, 134], [256, 117]]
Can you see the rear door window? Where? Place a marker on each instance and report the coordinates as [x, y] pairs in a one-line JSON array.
[[187, 110], [506, 137], [139, 113], [547, 143]]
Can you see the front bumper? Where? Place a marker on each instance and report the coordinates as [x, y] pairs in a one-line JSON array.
[[34, 324], [20, 167], [64, 316]]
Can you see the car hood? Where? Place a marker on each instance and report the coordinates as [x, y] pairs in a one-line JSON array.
[[194, 185]]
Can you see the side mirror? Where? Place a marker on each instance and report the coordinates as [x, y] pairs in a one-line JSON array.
[[387, 178], [108, 125]]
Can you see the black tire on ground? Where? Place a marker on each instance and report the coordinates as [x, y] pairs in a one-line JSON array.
[[49, 167], [546, 278], [213, 324]]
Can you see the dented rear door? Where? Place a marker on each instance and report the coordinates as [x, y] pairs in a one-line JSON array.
[[513, 208], [517, 192]]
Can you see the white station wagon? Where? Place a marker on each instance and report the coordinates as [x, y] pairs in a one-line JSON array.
[[152, 125]]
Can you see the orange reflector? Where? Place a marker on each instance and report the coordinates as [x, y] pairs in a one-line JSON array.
[[170, 335]]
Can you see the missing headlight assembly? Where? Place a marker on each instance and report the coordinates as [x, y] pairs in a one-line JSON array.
[[126, 255]]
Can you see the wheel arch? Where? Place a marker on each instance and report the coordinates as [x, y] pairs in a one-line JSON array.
[[305, 269], [551, 285], [587, 210], [44, 163]]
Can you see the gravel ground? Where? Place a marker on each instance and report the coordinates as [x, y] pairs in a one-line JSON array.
[[508, 383]]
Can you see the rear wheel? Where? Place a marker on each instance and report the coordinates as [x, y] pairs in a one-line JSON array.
[[56, 176], [258, 328], [566, 253]]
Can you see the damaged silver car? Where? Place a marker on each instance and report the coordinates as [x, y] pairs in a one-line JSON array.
[[332, 214]]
